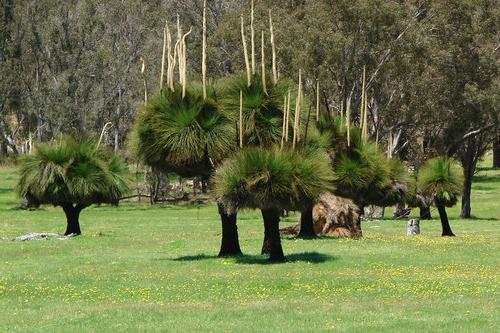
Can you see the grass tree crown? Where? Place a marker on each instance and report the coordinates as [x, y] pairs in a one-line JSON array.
[[441, 178], [268, 178], [262, 110], [72, 171], [361, 173], [184, 134]]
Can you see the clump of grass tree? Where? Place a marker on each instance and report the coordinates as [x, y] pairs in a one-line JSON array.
[[182, 129], [186, 135], [362, 172], [441, 179], [189, 135], [72, 173], [272, 179]]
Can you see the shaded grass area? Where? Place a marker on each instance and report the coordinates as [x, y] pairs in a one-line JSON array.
[[142, 268]]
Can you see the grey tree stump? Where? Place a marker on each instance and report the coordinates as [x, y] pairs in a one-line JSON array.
[[413, 227]]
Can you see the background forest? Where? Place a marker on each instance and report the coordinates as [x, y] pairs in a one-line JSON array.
[[432, 67]]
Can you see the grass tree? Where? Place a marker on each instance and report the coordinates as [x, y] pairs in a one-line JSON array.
[[73, 174], [267, 120], [189, 135], [441, 178], [272, 179], [362, 172], [257, 113], [186, 135]]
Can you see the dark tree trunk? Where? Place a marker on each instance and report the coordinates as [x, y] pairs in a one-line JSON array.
[[469, 167], [358, 222], [72, 219], [445, 224], [496, 152], [272, 234], [204, 186], [266, 245], [425, 213], [230, 245], [306, 223]]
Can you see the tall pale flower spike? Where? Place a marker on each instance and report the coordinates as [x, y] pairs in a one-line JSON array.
[[170, 59], [263, 67], [348, 121], [252, 31], [283, 129], [163, 55], [317, 100], [184, 62], [362, 105], [204, 51], [241, 119], [288, 102], [273, 47], [296, 129], [245, 52], [143, 69]]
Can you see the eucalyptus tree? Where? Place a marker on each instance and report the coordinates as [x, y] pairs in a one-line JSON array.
[[72, 174], [464, 99]]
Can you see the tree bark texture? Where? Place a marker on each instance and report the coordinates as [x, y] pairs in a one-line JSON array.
[[271, 218]]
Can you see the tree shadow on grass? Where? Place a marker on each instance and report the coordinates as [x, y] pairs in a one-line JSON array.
[[309, 257], [486, 178], [196, 257], [6, 190], [470, 219]]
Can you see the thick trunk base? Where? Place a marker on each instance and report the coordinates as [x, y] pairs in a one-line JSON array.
[[272, 234], [72, 219], [266, 246], [230, 245], [445, 224], [307, 224], [332, 216]]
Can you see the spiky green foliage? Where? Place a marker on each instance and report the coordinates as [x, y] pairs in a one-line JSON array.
[[262, 114], [186, 135], [397, 187], [442, 179], [273, 178], [361, 173], [72, 171], [336, 128], [316, 139]]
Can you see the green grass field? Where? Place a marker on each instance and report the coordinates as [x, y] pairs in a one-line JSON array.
[[142, 268]]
